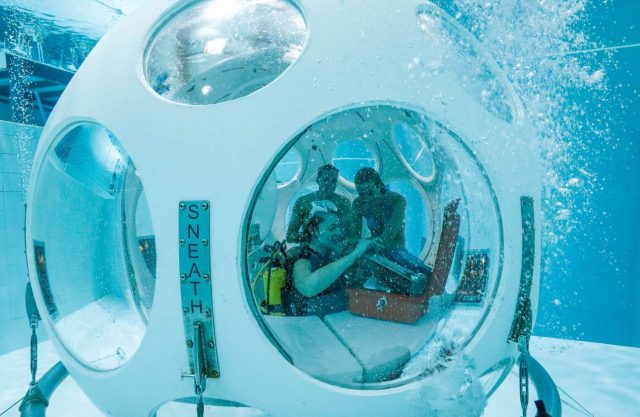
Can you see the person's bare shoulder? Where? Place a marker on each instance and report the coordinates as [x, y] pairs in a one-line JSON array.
[[396, 198], [305, 200]]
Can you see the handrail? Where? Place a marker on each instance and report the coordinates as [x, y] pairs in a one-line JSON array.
[[545, 387], [36, 400]]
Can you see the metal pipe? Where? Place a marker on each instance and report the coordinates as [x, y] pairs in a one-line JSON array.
[[36, 400], [545, 387]]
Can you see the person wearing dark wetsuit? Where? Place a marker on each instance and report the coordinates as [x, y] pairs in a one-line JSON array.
[[319, 282]]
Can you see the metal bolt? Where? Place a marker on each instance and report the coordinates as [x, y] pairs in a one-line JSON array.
[[189, 343], [205, 277], [215, 374], [205, 206], [185, 310], [207, 312], [183, 277], [182, 242], [205, 242], [182, 206], [211, 344]]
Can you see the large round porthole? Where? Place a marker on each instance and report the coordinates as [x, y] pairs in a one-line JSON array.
[[214, 51], [377, 279], [94, 246]]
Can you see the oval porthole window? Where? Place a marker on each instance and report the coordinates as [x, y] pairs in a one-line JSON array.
[[288, 168], [349, 156], [94, 246], [414, 152], [214, 51], [418, 215]]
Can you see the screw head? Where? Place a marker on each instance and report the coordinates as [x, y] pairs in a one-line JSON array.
[[207, 312], [205, 277], [211, 344], [215, 374], [183, 277], [185, 310], [189, 343], [182, 242], [182, 205], [205, 242], [205, 206]]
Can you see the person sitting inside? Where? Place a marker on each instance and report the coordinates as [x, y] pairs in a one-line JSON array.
[[319, 279], [384, 214], [327, 179]]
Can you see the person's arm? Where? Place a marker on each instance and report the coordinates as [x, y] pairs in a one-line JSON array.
[[311, 283], [297, 217], [396, 222]]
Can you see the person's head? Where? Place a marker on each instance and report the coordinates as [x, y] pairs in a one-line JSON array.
[[323, 226], [327, 179], [368, 183]]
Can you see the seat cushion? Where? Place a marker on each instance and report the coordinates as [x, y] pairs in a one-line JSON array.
[[315, 349]]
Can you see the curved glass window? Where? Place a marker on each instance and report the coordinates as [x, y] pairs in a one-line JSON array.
[[288, 168], [454, 50], [414, 152], [94, 246], [351, 155], [212, 408], [418, 215], [219, 50], [372, 286]]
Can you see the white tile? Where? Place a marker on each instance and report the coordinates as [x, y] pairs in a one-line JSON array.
[[14, 218], [5, 301], [9, 163], [17, 307], [12, 182], [13, 200]]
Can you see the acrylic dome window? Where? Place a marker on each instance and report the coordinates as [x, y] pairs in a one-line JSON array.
[[455, 51], [414, 152], [219, 50], [418, 215], [373, 289], [288, 168], [94, 246]]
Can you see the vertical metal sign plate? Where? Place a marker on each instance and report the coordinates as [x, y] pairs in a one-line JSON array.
[[196, 290]]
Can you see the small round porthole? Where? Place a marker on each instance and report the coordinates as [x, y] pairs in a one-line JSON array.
[[214, 51], [414, 152], [288, 169]]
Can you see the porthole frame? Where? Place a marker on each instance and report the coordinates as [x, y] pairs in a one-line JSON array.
[[173, 12], [243, 259], [49, 154], [426, 180]]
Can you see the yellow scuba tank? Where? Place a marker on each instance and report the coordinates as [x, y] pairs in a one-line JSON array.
[[274, 280]]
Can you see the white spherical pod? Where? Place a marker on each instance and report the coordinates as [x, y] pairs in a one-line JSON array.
[[132, 138]]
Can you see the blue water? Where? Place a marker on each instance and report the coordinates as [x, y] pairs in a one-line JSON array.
[[590, 141], [596, 282]]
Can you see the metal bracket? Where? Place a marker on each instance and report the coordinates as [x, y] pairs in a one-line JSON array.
[[523, 374], [196, 292], [523, 319]]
